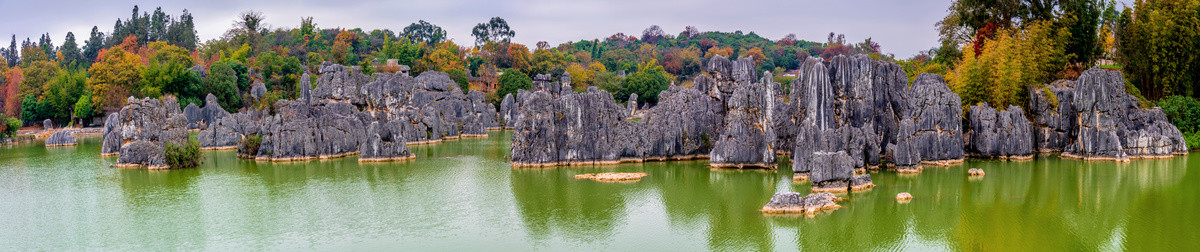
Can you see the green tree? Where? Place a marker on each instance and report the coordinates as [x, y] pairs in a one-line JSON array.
[[222, 82], [279, 72], [1158, 45], [71, 56], [62, 92], [511, 81], [650, 80], [459, 77], [423, 31], [495, 30]]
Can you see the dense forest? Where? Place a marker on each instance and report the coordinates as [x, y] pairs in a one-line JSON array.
[[990, 51]]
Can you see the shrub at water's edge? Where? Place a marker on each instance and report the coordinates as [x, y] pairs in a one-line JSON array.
[[248, 146], [1184, 112], [183, 156]]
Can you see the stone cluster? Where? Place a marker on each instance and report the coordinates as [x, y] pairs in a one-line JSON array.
[[141, 131], [1095, 119], [931, 131], [591, 128], [850, 105], [347, 113], [1111, 126], [1003, 134]]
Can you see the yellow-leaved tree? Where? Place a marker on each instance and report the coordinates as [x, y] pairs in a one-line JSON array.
[[1008, 63], [115, 73]]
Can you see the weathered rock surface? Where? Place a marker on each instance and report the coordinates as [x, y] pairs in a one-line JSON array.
[[47, 124], [1112, 127], [61, 138], [111, 145], [999, 134], [749, 137], [834, 109], [227, 131], [194, 116], [258, 91], [831, 172], [937, 120], [795, 203], [145, 127], [384, 142], [685, 124], [1053, 116], [906, 154]]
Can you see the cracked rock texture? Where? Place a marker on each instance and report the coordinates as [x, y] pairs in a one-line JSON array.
[[999, 134]]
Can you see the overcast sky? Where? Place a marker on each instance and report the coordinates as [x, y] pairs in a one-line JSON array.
[[900, 27]]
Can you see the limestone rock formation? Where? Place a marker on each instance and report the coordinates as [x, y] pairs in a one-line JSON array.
[[384, 143], [748, 139], [61, 138], [47, 124], [111, 143], [1112, 127], [831, 172], [194, 116], [1053, 115], [258, 91], [999, 134], [685, 124], [937, 117], [906, 154], [146, 126]]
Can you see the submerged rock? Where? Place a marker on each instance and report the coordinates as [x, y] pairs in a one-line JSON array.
[[613, 176], [61, 138], [999, 134], [795, 203], [976, 172]]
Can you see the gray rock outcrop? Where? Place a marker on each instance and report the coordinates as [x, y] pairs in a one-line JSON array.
[[1111, 126], [831, 172], [795, 203], [146, 126], [1053, 115], [748, 139], [937, 119], [384, 142], [61, 138], [1003, 134], [111, 143]]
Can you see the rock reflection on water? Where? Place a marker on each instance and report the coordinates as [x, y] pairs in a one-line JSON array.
[[460, 195]]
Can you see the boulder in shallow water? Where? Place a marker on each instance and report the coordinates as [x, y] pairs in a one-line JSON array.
[[61, 138], [795, 203], [831, 172]]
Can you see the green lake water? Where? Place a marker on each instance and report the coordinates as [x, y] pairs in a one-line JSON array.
[[463, 195]]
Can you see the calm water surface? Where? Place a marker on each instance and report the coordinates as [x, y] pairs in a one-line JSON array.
[[461, 195]]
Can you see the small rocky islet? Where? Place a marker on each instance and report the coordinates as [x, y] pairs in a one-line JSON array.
[[840, 118]]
